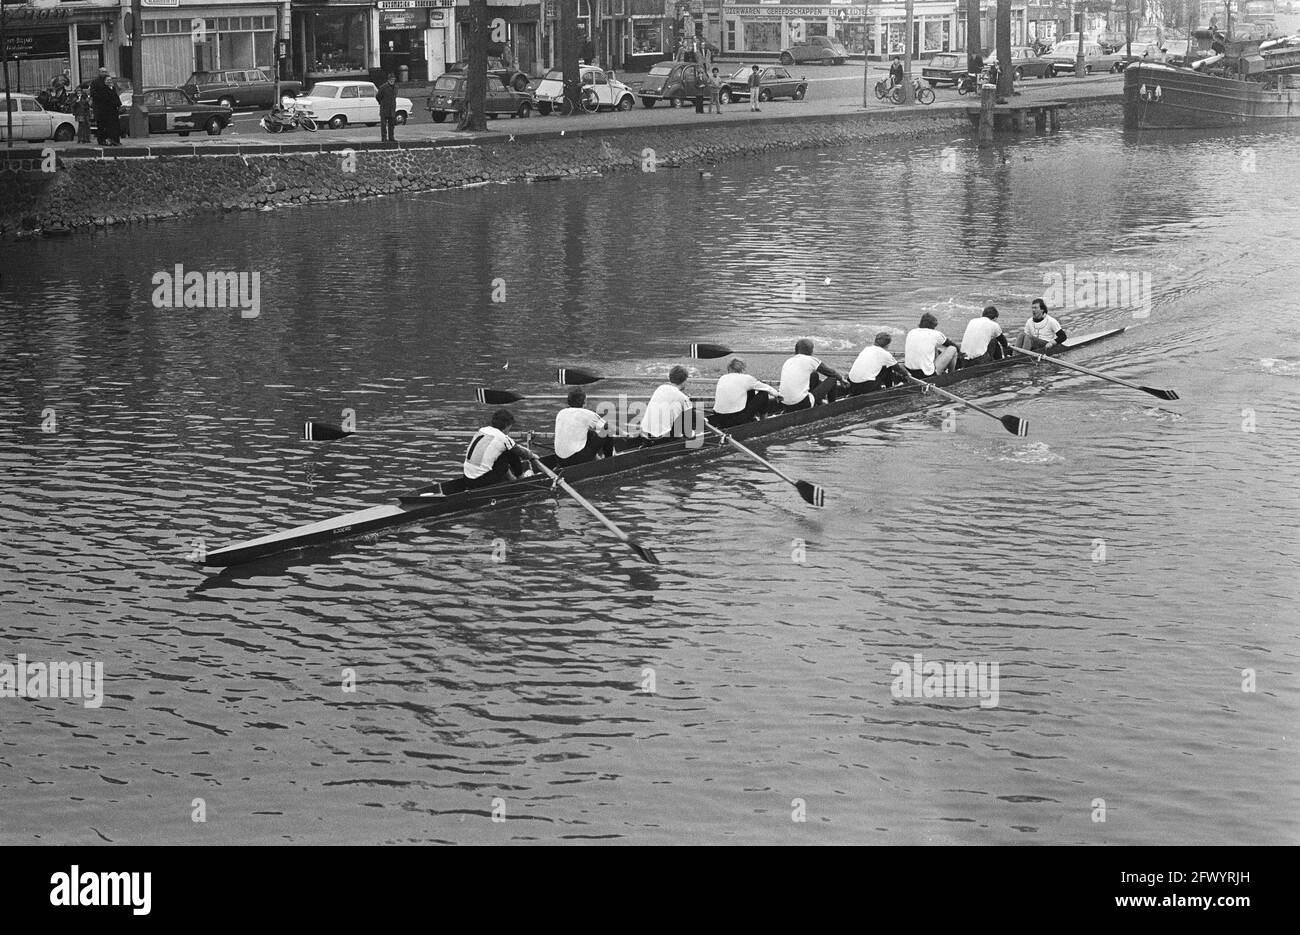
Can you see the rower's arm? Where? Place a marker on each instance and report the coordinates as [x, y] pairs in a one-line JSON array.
[[827, 371], [1002, 340]]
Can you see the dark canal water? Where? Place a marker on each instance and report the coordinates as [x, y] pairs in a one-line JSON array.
[[520, 681]]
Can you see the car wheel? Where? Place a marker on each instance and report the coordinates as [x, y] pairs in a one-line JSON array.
[[799, 92], [338, 122], [63, 133], [647, 102], [764, 96], [227, 102], [400, 119], [787, 58], [1018, 74], [182, 132], [1087, 69], [725, 95], [545, 109], [1117, 67], [213, 127], [525, 109], [521, 82], [438, 115], [1050, 73], [838, 61], [625, 102]]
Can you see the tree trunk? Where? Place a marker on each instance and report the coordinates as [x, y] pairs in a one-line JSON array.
[[1005, 76], [567, 30], [973, 44], [475, 115]]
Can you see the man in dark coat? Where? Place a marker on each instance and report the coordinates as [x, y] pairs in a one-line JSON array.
[[387, 98], [105, 101]]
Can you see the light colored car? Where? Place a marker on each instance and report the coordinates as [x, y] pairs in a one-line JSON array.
[[608, 91], [339, 103], [1064, 52], [31, 121]]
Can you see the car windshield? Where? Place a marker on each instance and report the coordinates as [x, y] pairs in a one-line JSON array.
[[741, 72], [661, 70], [1067, 47], [446, 83], [200, 77], [554, 75], [324, 90], [944, 61]]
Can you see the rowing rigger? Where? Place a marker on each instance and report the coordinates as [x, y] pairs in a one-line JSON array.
[[453, 498]]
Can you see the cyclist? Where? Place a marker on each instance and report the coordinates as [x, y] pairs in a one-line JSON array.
[[895, 72]]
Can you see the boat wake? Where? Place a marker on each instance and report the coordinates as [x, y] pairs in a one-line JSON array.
[[1032, 453], [1279, 367], [1151, 412]]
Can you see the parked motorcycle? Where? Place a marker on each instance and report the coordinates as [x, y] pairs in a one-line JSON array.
[[970, 84], [285, 118]]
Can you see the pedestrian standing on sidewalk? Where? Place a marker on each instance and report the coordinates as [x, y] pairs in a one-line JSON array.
[[81, 111], [387, 98], [753, 88], [715, 92]]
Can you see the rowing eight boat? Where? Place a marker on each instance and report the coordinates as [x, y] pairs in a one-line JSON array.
[[451, 498]]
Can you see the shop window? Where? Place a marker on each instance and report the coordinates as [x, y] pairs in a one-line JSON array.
[[731, 35], [647, 37], [936, 35], [762, 37], [814, 28], [340, 40]]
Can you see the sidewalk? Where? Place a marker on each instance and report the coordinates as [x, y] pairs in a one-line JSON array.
[[1098, 89]]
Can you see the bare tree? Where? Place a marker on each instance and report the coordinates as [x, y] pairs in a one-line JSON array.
[[1003, 31], [973, 44], [568, 51], [475, 115]]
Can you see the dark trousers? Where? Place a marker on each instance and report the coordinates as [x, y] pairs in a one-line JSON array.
[[387, 125], [509, 462], [107, 129], [595, 445], [756, 406], [883, 381], [679, 429]]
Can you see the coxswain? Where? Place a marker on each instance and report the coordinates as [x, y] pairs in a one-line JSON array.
[[875, 368], [739, 397], [580, 434], [927, 352], [666, 413], [801, 383], [983, 341], [1042, 331], [492, 456]]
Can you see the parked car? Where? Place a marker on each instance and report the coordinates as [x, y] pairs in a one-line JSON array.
[[673, 82], [238, 87], [447, 98], [610, 93], [1064, 52], [172, 110], [773, 81], [498, 65], [1137, 52], [1025, 64], [946, 68], [820, 49], [31, 121], [339, 103]]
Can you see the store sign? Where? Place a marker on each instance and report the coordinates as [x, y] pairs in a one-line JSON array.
[[10, 14], [400, 19], [166, 3], [820, 12], [414, 4], [37, 46]]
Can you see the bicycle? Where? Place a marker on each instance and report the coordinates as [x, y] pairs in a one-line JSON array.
[[923, 92], [587, 101], [281, 119]]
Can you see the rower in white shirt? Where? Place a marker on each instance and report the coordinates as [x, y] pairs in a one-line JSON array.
[[875, 368], [580, 434], [1042, 331], [801, 386], [983, 341], [739, 397], [669, 411], [492, 456], [921, 351]]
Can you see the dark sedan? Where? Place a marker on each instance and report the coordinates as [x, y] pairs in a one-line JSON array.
[[1025, 64], [447, 98], [171, 110], [773, 81], [820, 49], [238, 87]]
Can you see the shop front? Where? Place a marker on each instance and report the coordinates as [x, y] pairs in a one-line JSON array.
[[179, 38], [41, 41], [333, 40], [514, 24], [770, 27]]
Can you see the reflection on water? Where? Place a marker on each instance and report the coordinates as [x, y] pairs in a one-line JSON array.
[[1093, 560]]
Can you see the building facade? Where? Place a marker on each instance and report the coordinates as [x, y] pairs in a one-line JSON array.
[[42, 39]]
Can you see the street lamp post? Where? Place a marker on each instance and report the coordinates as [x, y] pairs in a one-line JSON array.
[[138, 120], [909, 93], [1080, 69], [4, 60]]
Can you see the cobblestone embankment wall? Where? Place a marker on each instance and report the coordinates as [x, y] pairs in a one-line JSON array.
[[86, 193]]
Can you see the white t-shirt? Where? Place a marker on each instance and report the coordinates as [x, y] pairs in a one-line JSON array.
[[795, 374], [919, 348], [483, 451], [733, 392], [870, 362], [1044, 330], [979, 334], [571, 426], [663, 410]]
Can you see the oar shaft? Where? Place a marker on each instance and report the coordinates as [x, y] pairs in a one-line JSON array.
[[1069, 366], [753, 454], [582, 501]]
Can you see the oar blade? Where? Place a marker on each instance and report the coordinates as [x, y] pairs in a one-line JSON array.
[[1159, 394], [1015, 425], [498, 397], [575, 376], [709, 351], [812, 493], [645, 553], [322, 432]]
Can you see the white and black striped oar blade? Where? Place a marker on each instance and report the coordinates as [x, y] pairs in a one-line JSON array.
[[498, 397], [812, 493], [1015, 425], [709, 351], [576, 376], [1159, 394], [323, 432]]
